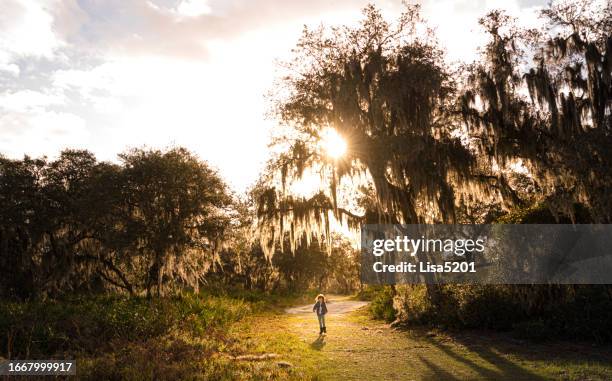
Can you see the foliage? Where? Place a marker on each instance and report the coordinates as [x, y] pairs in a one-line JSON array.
[[315, 267], [567, 311], [540, 213], [382, 304], [153, 222], [527, 122], [159, 222], [386, 89], [561, 132], [244, 265], [311, 267], [89, 325]]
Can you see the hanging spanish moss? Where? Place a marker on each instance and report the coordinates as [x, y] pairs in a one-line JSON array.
[[432, 143], [562, 131], [386, 90]]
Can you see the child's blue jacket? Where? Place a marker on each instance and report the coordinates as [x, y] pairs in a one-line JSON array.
[[323, 308]]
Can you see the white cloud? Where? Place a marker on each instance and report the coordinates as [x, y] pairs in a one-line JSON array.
[[29, 100], [40, 133], [9, 68], [26, 29], [193, 8]]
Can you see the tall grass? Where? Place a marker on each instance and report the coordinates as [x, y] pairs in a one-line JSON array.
[[89, 325], [131, 338]]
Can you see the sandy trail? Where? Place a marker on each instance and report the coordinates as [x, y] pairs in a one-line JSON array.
[[336, 305], [360, 348]]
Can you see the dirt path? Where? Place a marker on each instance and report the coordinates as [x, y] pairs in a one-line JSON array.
[[360, 348], [336, 305]]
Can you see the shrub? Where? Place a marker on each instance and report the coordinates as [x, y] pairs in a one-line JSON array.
[[38, 328], [488, 307], [535, 312], [382, 305], [534, 330], [369, 292]]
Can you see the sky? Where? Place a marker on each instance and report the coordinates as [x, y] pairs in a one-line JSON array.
[[107, 75]]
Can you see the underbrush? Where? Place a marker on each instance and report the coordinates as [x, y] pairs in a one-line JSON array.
[[89, 325], [535, 313], [133, 338], [262, 302], [381, 305]]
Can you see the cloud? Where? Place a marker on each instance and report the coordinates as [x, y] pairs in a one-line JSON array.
[[9, 68], [26, 29], [30, 124], [40, 132], [29, 100], [193, 8], [105, 75], [182, 29]]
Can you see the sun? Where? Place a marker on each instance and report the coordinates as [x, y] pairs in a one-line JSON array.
[[333, 143]]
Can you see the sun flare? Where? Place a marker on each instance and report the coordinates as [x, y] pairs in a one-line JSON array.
[[333, 143]]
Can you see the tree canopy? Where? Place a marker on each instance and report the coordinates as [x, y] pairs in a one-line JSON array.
[[436, 143], [153, 222]]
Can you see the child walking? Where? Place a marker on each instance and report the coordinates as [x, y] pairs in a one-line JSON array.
[[321, 309]]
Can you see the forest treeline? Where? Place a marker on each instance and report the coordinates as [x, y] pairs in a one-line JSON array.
[[75, 223], [155, 223]]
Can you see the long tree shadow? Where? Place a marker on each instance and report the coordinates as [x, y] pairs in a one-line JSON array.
[[437, 373], [506, 368], [547, 351], [319, 343], [580, 354]]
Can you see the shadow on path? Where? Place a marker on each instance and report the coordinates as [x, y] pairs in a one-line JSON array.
[[438, 373], [319, 343], [505, 368]]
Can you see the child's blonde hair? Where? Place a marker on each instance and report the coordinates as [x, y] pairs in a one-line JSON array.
[[320, 296]]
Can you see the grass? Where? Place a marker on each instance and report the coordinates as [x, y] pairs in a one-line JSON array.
[[361, 348], [121, 338], [268, 333], [197, 337]]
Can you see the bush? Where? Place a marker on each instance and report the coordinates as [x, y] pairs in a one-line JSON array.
[[587, 315], [535, 312], [415, 307], [39, 329], [488, 307], [369, 292], [382, 305], [412, 305], [534, 330]]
